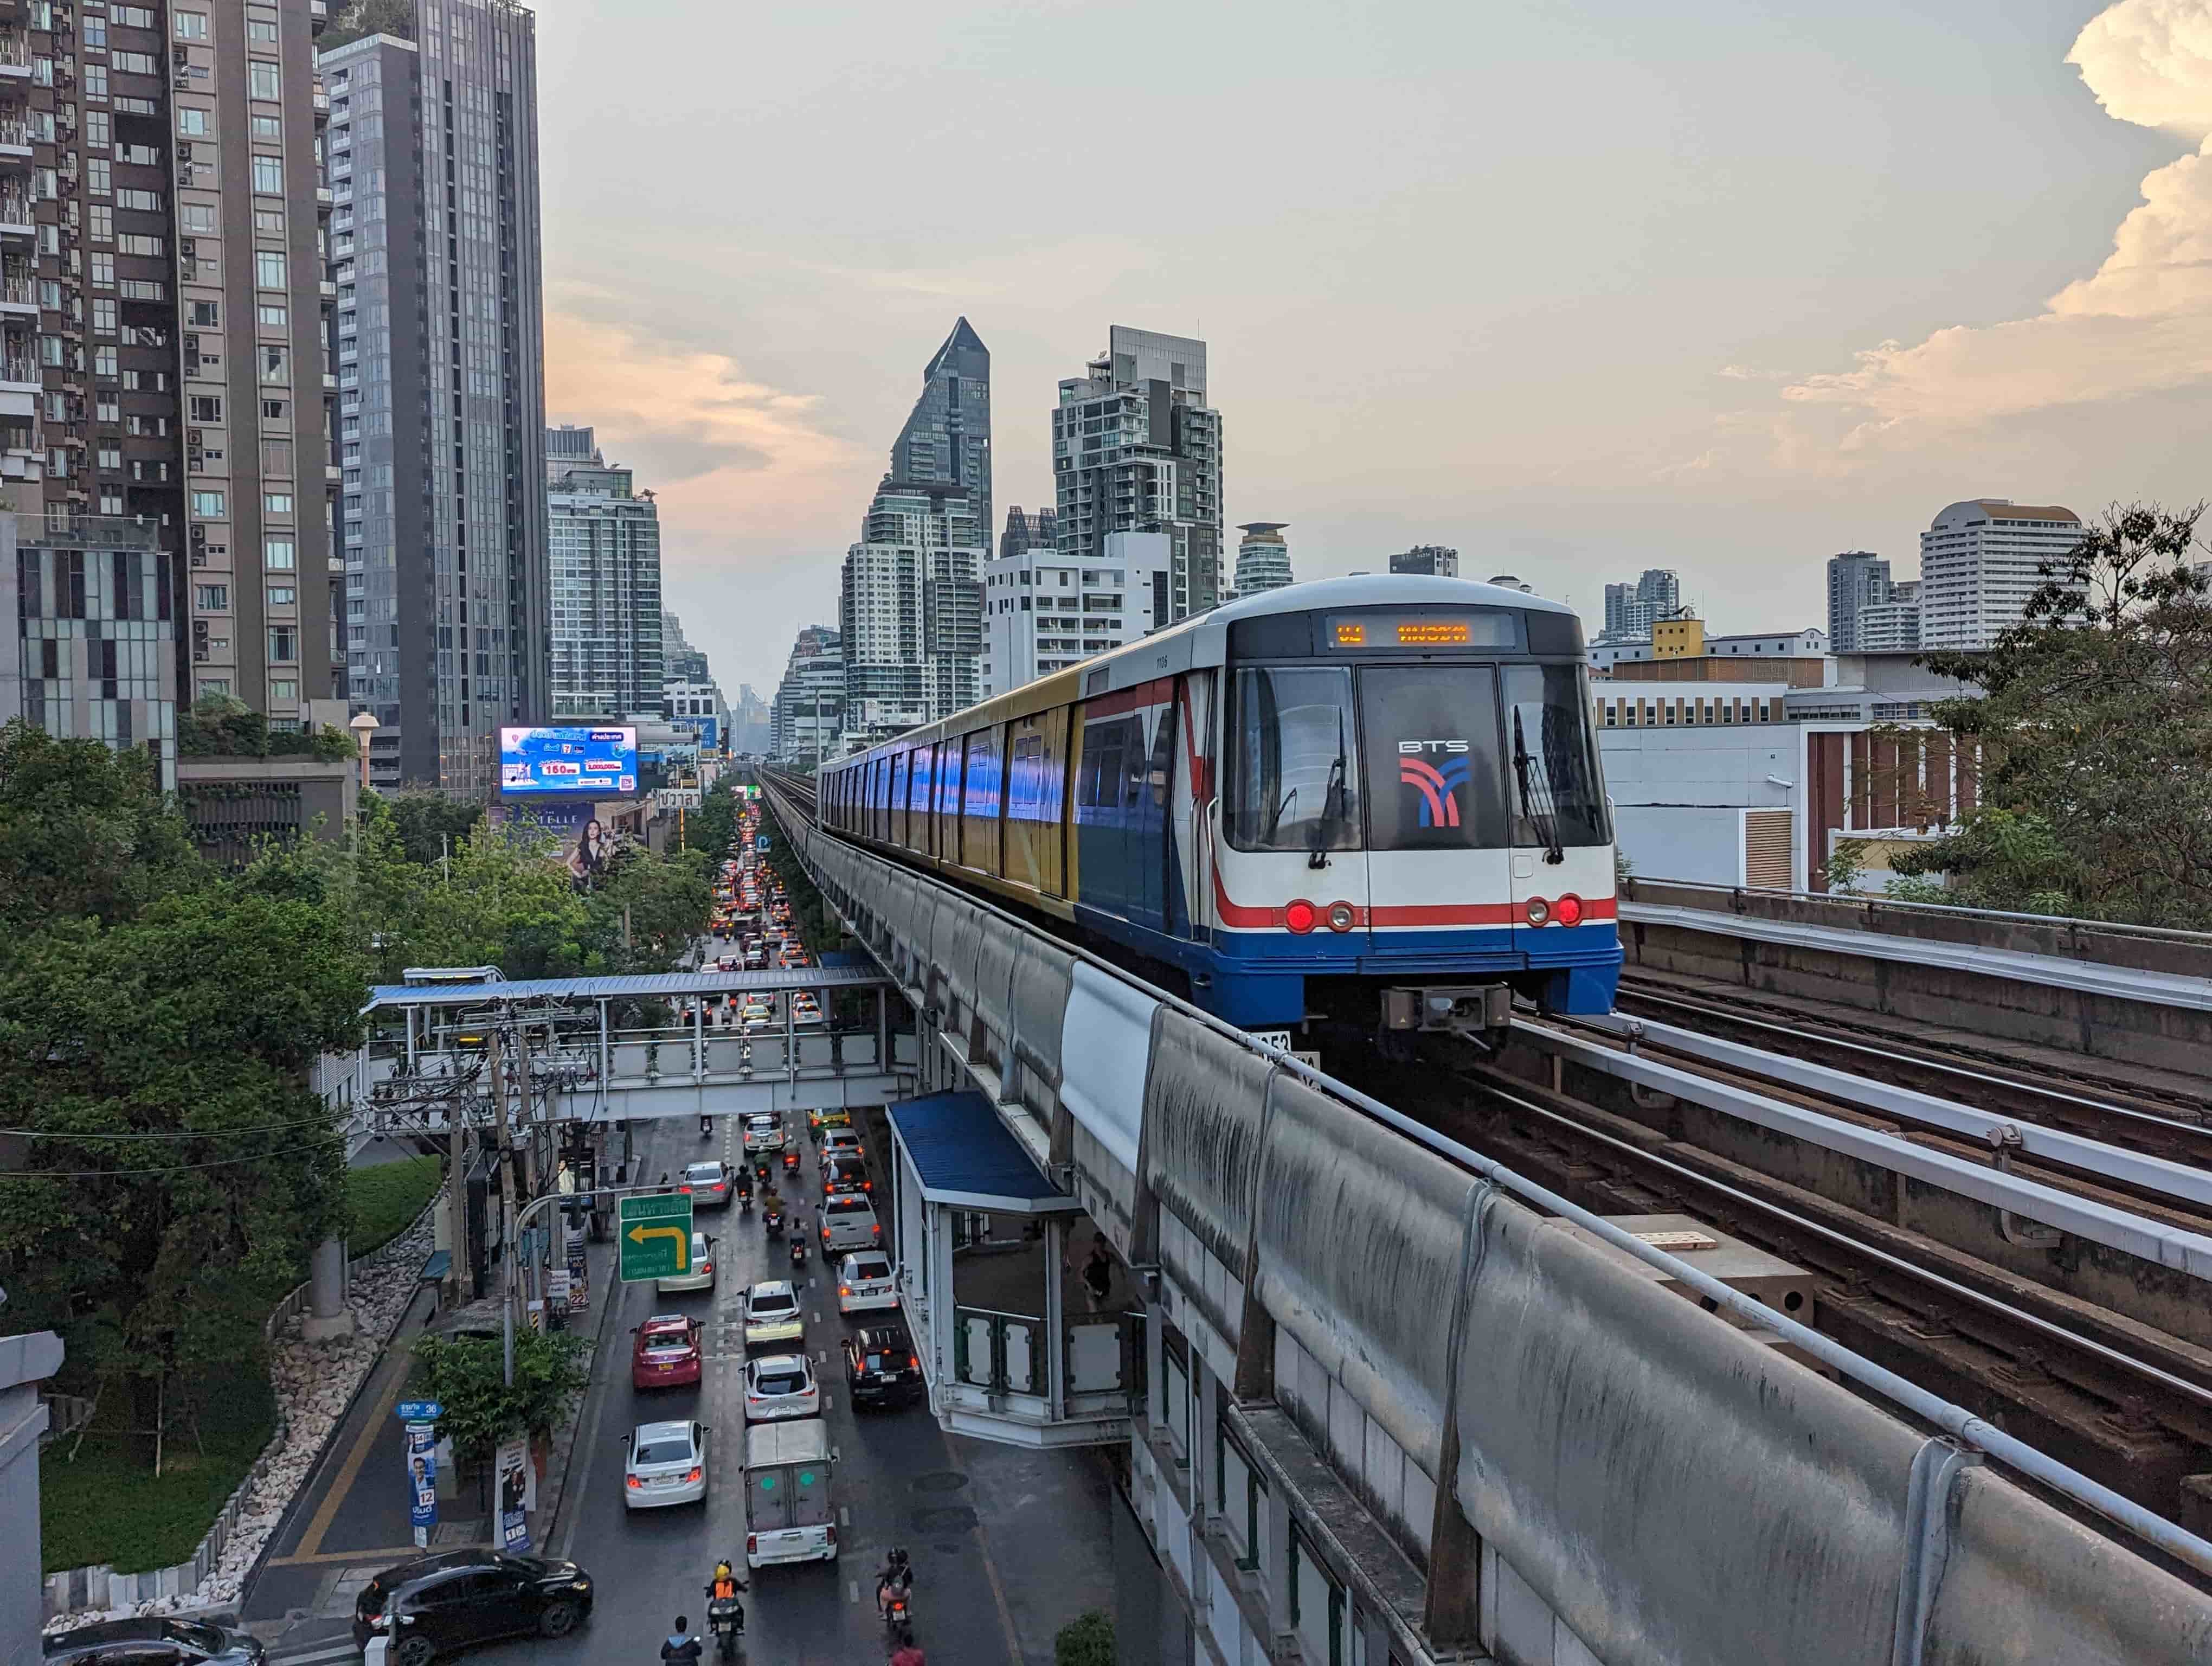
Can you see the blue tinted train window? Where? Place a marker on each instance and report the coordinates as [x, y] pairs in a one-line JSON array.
[[1290, 783], [1559, 794], [1435, 781]]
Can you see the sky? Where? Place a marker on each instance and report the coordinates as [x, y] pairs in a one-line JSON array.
[[1578, 288]]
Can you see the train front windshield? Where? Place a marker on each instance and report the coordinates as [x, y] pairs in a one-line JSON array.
[[1402, 756]]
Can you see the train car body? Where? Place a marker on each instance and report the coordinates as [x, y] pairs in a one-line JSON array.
[[1302, 801]]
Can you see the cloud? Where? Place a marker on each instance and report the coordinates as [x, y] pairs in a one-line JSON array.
[[2141, 323], [711, 441]]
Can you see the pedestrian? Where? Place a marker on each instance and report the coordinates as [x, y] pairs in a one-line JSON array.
[[1098, 1274]]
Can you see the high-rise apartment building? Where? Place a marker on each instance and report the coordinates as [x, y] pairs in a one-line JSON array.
[[808, 712], [435, 250], [1980, 560], [1136, 448], [1046, 610], [1263, 557], [911, 606], [1434, 559], [1026, 531], [162, 434], [605, 541], [678, 657], [1631, 610], [568, 446], [1858, 580]]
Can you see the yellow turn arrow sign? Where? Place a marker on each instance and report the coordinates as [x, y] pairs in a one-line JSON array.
[[639, 1234]]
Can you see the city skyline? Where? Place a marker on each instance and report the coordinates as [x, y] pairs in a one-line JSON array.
[[1654, 378]]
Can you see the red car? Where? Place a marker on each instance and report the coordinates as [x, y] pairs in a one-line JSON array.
[[666, 1352]]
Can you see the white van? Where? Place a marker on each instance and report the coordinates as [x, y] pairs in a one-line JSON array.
[[790, 1515]]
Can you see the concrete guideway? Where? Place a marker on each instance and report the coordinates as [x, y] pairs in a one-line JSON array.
[[1480, 1429]]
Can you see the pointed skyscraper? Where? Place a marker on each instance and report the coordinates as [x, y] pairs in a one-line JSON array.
[[912, 611]]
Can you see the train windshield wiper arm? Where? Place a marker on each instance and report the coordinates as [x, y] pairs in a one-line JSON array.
[[1544, 820], [1333, 807]]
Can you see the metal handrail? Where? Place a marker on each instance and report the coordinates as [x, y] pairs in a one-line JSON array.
[[1850, 899], [1955, 1420]]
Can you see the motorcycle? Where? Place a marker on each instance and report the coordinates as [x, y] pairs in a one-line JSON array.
[[791, 1159], [745, 1202], [797, 1242], [895, 1601], [772, 1219], [725, 1618], [706, 1127]]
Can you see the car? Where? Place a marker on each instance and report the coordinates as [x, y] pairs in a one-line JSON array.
[[822, 1118], [699, 1273], [439, 1605], [779, 1385], [804, 1014], [728, 963], [666, 1352], [865, 1282], [667, 1465], [849, 1222], [155, 1641], [764, 1131], [841, 1142], [772, 1314], [709, 1184], [845, 1173], [881, 1365]]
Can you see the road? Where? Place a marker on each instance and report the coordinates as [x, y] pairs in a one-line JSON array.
[[999, 1537]]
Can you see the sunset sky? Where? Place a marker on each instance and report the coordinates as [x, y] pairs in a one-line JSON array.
[[1579, 289]]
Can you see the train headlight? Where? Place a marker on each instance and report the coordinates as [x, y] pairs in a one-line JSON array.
[[1568, 910], [1540, 911], [1340, 917], [1300, 916]]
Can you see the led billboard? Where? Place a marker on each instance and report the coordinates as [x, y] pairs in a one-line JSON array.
[[567, 763]]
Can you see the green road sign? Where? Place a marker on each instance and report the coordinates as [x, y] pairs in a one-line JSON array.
[[655, 1236]]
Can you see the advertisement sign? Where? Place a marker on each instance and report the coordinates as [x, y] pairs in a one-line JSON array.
[[551, 763], [422, 1450], [677, 798], [518, 1494]]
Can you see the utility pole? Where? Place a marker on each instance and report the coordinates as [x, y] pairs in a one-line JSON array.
[[457, 1186], [497, 1039]]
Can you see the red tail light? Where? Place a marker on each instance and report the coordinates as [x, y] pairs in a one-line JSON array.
[[1568, 910], [833, 1534], [913, 1362], [632, 1482], [686, 1190], [696, 1473], [876, 1231], [1299, 916], [752, 1544]]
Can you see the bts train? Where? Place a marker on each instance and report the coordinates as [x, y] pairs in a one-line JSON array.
[[1372, 800]]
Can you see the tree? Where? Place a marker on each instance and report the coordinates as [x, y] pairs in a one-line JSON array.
[[1086, 1640], [368, 17], [661, 903], [430, 824], [2095, 728], [83, 832], [467, 1379], [183, 1165]]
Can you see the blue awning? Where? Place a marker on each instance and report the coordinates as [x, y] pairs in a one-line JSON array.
[[967, 1157]]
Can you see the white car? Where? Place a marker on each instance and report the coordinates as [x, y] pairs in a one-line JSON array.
[[804, 1012], [764, 1131], [667, 1464], [772, 1315], [780, 1385], [701, 1275], [866, 1282], [842, 1142]]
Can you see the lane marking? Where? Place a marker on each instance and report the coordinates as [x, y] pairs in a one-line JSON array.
[[845, 1518], [335, 1651], [384, 1557], [312, 1541], [852, 1592]]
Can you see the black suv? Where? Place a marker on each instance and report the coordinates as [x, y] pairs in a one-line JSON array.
[[437, 1604], [153, 1643], [881, 1368]]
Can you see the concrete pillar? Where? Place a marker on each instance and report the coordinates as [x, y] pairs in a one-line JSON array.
[[328, 1318], [1055, 1317], [1205, 1438]]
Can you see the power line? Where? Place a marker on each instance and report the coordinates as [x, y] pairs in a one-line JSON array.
[[172, 1168]]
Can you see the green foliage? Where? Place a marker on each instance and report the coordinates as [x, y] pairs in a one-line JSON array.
[[218, 726], [386, 1198], [2095, 721], [1996, 859], [712, 828], [105, 1505], [83, 832], [1845, 863], [1086, 1640], [430, 824], [466, 1376], [366, 17]]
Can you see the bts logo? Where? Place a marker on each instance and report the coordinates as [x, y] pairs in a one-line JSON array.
[[1437, 784]]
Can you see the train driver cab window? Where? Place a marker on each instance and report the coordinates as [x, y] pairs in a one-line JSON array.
[[1434, 778], [1291, 739], [1558, 796]]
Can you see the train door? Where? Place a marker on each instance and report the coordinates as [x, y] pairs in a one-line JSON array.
[[951, 767], [1436, 810]]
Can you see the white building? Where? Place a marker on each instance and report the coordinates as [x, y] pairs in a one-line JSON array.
[[910, 608], [1045, 609], [1809, 643], [1980, 561], [1752, 783], [1263, 557], [1888, 627]]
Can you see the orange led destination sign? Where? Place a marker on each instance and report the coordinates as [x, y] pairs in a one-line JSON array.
[[1433, 632], [1386, 631]]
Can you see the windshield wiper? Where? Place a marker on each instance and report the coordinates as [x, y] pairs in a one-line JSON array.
[[1275, 820], [1332, 806], [1545, 823]]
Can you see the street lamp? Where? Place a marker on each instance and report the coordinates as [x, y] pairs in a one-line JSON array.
[[364, 724]]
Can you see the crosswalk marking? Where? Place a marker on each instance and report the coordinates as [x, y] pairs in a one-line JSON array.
[[343, 1649]]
